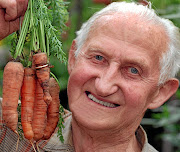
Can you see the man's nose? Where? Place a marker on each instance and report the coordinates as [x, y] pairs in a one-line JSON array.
[[107, 82]]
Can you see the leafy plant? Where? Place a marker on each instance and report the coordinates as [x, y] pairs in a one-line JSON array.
[[38, 34], [38, 31]]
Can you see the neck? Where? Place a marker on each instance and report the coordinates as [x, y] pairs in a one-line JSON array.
[[86, 140]]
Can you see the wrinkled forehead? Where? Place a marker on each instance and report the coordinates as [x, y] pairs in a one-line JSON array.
[[134, 29]]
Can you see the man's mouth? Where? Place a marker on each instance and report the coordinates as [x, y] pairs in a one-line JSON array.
[[103, 103]]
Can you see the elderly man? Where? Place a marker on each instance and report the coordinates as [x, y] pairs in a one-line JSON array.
[[122, 63]]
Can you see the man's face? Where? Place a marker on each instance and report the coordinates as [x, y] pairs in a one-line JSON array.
[[115, 77]]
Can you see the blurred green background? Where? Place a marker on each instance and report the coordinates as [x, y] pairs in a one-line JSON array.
[[163, 124]]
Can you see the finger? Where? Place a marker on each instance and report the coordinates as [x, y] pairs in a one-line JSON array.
[[14, 8], [11, 9], [25, 6], [3, 25], [21, 7], [14, 25]]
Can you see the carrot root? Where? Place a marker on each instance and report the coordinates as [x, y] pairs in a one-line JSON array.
[[39, 116], [53, 109], [17, 144], [27, 102], [12, 82], [37, 147], [33, 145], [43, 74]]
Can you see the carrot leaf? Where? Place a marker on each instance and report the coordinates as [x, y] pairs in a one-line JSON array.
[[42, 26]]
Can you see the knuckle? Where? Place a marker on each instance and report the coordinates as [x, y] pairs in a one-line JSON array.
[[21, 1], [12, 4]]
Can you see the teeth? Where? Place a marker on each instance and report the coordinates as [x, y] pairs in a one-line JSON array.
[[106, 104]]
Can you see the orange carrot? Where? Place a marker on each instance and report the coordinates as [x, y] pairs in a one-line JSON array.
[[12, 82], [43, 74], [27, 102], [39, 116], [53, 109]]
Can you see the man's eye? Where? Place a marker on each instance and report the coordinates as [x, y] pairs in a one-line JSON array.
[[99, 57], [133, 70]]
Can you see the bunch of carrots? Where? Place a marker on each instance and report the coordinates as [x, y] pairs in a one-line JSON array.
[[39, 98], [29, 79]]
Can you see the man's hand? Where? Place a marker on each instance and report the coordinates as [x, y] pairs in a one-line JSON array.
[[10, 12]]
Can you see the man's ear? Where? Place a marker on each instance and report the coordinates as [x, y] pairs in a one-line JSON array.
[[164, 93], [71, 58]]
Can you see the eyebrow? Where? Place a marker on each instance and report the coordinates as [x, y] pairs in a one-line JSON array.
[[99, 50], [142, 63]]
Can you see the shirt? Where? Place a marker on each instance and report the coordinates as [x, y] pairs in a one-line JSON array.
[[9, 140]]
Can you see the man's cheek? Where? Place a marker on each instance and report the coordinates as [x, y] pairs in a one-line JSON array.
[[82, 73], [78, 76], [135, 97]]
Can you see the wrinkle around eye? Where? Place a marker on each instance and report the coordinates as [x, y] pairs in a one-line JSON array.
[[95, 58], [99, 59], [127, 73]]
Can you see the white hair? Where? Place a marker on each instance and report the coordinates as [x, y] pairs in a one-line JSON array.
[[170, 60]]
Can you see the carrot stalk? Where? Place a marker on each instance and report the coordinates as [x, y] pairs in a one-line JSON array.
[[12, 82], [53, 109], [27, 102]]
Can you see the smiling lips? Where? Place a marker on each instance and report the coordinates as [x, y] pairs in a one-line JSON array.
[[106, 104]]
